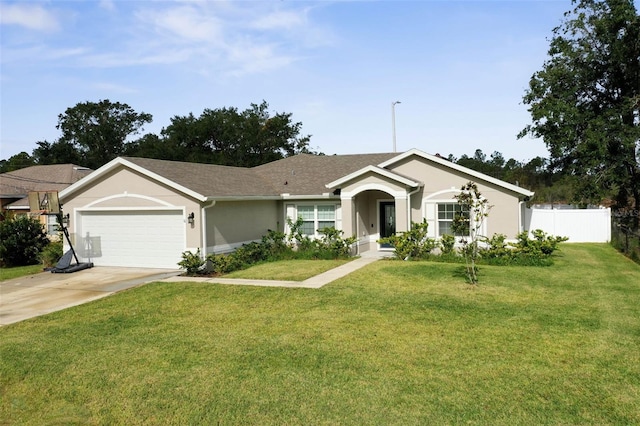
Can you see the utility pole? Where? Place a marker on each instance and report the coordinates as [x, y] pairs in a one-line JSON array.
[[393, 122]]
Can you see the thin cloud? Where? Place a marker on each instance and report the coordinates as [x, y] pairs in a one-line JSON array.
[[108, 5], [237, 39], [254, 58], [33, 17], [281, 20], [128, 59], [114, 88], [41, 53], [187, 23]]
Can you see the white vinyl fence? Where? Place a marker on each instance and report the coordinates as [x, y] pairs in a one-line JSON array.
[[580, 225]]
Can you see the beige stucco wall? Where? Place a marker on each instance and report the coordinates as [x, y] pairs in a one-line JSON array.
[[442, 183], [231, 223], [126, 189]]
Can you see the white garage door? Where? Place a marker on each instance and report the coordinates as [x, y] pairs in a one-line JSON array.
[[151, 239]]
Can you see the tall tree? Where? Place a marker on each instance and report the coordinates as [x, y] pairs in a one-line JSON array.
[[16, 162], [99, 130], [585, 101], [153, 146], [236, 138], [56, 153]]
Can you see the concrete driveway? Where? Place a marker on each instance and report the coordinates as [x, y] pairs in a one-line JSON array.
[[40, 294]]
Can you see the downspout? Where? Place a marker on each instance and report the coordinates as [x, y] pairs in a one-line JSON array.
[[203, 213], [409, 206], [520, 217]]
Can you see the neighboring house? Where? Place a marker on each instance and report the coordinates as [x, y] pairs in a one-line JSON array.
[[145, 213], [16, 185]]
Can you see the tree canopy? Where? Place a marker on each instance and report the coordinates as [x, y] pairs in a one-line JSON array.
[[94, 133], [227, 136], [585, 101], [98, 131]]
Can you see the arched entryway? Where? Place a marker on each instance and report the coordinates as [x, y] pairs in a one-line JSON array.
[[375, 203]]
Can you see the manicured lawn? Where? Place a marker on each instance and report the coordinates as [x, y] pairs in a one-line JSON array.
[[19, 271], [287, 270], [393, 343]]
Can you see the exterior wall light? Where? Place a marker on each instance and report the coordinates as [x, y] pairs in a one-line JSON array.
[[191, 218]]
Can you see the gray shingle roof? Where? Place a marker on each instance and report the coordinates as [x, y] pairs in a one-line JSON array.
[[307, 174], [303, 174], [210, 180]]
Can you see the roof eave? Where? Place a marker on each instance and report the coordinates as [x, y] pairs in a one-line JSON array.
[[377, 170], [242, 198], [446, 163], [324, 196], [119, 161]]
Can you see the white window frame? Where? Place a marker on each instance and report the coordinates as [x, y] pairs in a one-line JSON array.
[[430, 213], [449, 220], [292, 213]]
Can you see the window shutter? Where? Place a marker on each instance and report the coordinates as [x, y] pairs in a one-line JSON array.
[[289, 214], [430, 216], [339, 217]]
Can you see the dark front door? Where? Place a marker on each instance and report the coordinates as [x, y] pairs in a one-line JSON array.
[[387, 221]]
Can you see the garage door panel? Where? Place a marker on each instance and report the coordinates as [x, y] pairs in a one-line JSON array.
[[139, 239]]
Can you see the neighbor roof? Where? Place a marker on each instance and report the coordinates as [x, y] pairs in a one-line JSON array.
[[55, 177]]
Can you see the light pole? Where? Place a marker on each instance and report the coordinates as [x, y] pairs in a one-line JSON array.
[[393, 122]]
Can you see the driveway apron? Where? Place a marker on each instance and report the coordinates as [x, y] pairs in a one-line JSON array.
[[35, 295]]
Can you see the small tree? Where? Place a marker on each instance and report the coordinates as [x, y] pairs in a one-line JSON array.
[[475, 208], [21, 241]]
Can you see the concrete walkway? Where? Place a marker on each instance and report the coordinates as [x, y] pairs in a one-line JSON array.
[[313, 282]]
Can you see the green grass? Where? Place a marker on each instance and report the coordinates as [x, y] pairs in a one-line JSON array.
[[287, 270], [393, 343], [19, 271]]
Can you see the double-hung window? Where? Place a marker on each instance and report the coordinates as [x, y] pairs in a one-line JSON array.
[[307, 213], [52, 225], [447, 212], [316, 217]]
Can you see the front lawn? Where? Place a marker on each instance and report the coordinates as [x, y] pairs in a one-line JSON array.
[[287, 270], [392, 343], [19, 271]]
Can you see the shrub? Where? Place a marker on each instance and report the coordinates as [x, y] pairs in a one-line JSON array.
[[192, 263], [332, 245], [496, 247], [272, 246], [296, 238], [250, 253], [447, 243], [413, 244], [275, 244], [223, 263], [524, 252], [542, 244], [52, 253], [21, 241]]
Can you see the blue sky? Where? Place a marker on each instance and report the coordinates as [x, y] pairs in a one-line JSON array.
[[459, 68]]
